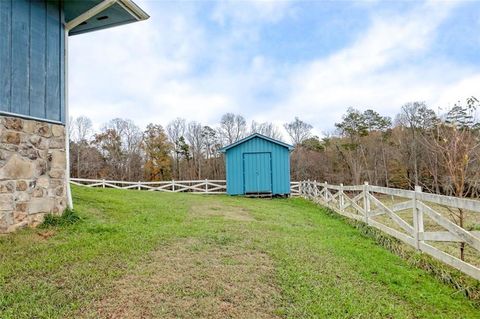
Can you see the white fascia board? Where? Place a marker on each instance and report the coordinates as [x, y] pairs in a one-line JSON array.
[[88, 14], [134, 9]]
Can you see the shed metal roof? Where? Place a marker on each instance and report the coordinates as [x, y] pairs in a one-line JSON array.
[[91, 15], [224, 149]]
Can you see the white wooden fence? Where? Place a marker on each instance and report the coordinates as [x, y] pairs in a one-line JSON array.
[[418, 219], [195, 186]]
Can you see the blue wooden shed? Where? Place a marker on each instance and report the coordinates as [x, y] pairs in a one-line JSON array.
[[258, 165]]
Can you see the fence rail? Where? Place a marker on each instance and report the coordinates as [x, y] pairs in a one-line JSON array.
[[205, 186], [411, 216]]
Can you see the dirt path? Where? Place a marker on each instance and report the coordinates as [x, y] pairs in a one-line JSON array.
[[193, 279]]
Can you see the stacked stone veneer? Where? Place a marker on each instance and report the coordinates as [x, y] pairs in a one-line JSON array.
[[32, 172]]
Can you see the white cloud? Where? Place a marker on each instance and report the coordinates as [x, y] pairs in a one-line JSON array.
[[464, 88], [153, 71], [377, 72], [148, 71], [140, 71]]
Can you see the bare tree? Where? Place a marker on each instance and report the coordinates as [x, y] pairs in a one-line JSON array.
[[131, 138], [298, 130], [457, 141], [79, 134], [176, 133], [81, 128], [266, 128], [211, 144], [232, 128], [195, 139], [417, 117]]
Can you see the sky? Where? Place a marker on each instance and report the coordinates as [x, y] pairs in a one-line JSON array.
[[275, 60]]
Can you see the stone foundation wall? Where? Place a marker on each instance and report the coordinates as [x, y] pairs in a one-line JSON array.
[[32, 172]]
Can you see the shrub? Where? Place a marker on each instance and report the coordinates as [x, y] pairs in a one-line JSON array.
[[69, 217]]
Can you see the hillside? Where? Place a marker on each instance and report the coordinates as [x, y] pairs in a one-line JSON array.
[[143, 254]]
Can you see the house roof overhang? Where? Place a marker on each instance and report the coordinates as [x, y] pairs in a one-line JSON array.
[[288, 146], [83, 16]]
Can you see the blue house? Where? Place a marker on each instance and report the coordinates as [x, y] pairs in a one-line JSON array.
[[258, 165], [34, 99]]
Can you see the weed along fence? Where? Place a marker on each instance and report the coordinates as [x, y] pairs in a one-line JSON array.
[[440, 226], [194, 186]]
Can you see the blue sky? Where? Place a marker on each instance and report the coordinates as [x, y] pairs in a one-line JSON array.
[[274, 60]]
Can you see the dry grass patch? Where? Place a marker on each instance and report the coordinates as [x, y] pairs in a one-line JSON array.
[[194, 279], [212, 209]]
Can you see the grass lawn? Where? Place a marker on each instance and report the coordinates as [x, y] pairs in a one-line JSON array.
[[139, 254]]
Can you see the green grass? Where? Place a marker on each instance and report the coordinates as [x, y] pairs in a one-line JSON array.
[[310, 264]]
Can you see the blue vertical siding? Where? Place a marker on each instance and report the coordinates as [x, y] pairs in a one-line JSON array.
[[32, 59], [38, 66], [21, 57], [5, 54], [279, 165]]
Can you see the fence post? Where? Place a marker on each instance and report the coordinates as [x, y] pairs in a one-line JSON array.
[[173, 185], [103, 183], [325, 190], [417, 218], [366, 201], [341, 200], [206, 185], [138, 186]]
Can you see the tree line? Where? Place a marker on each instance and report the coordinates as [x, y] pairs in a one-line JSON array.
[[181, 151], [438, 151]]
